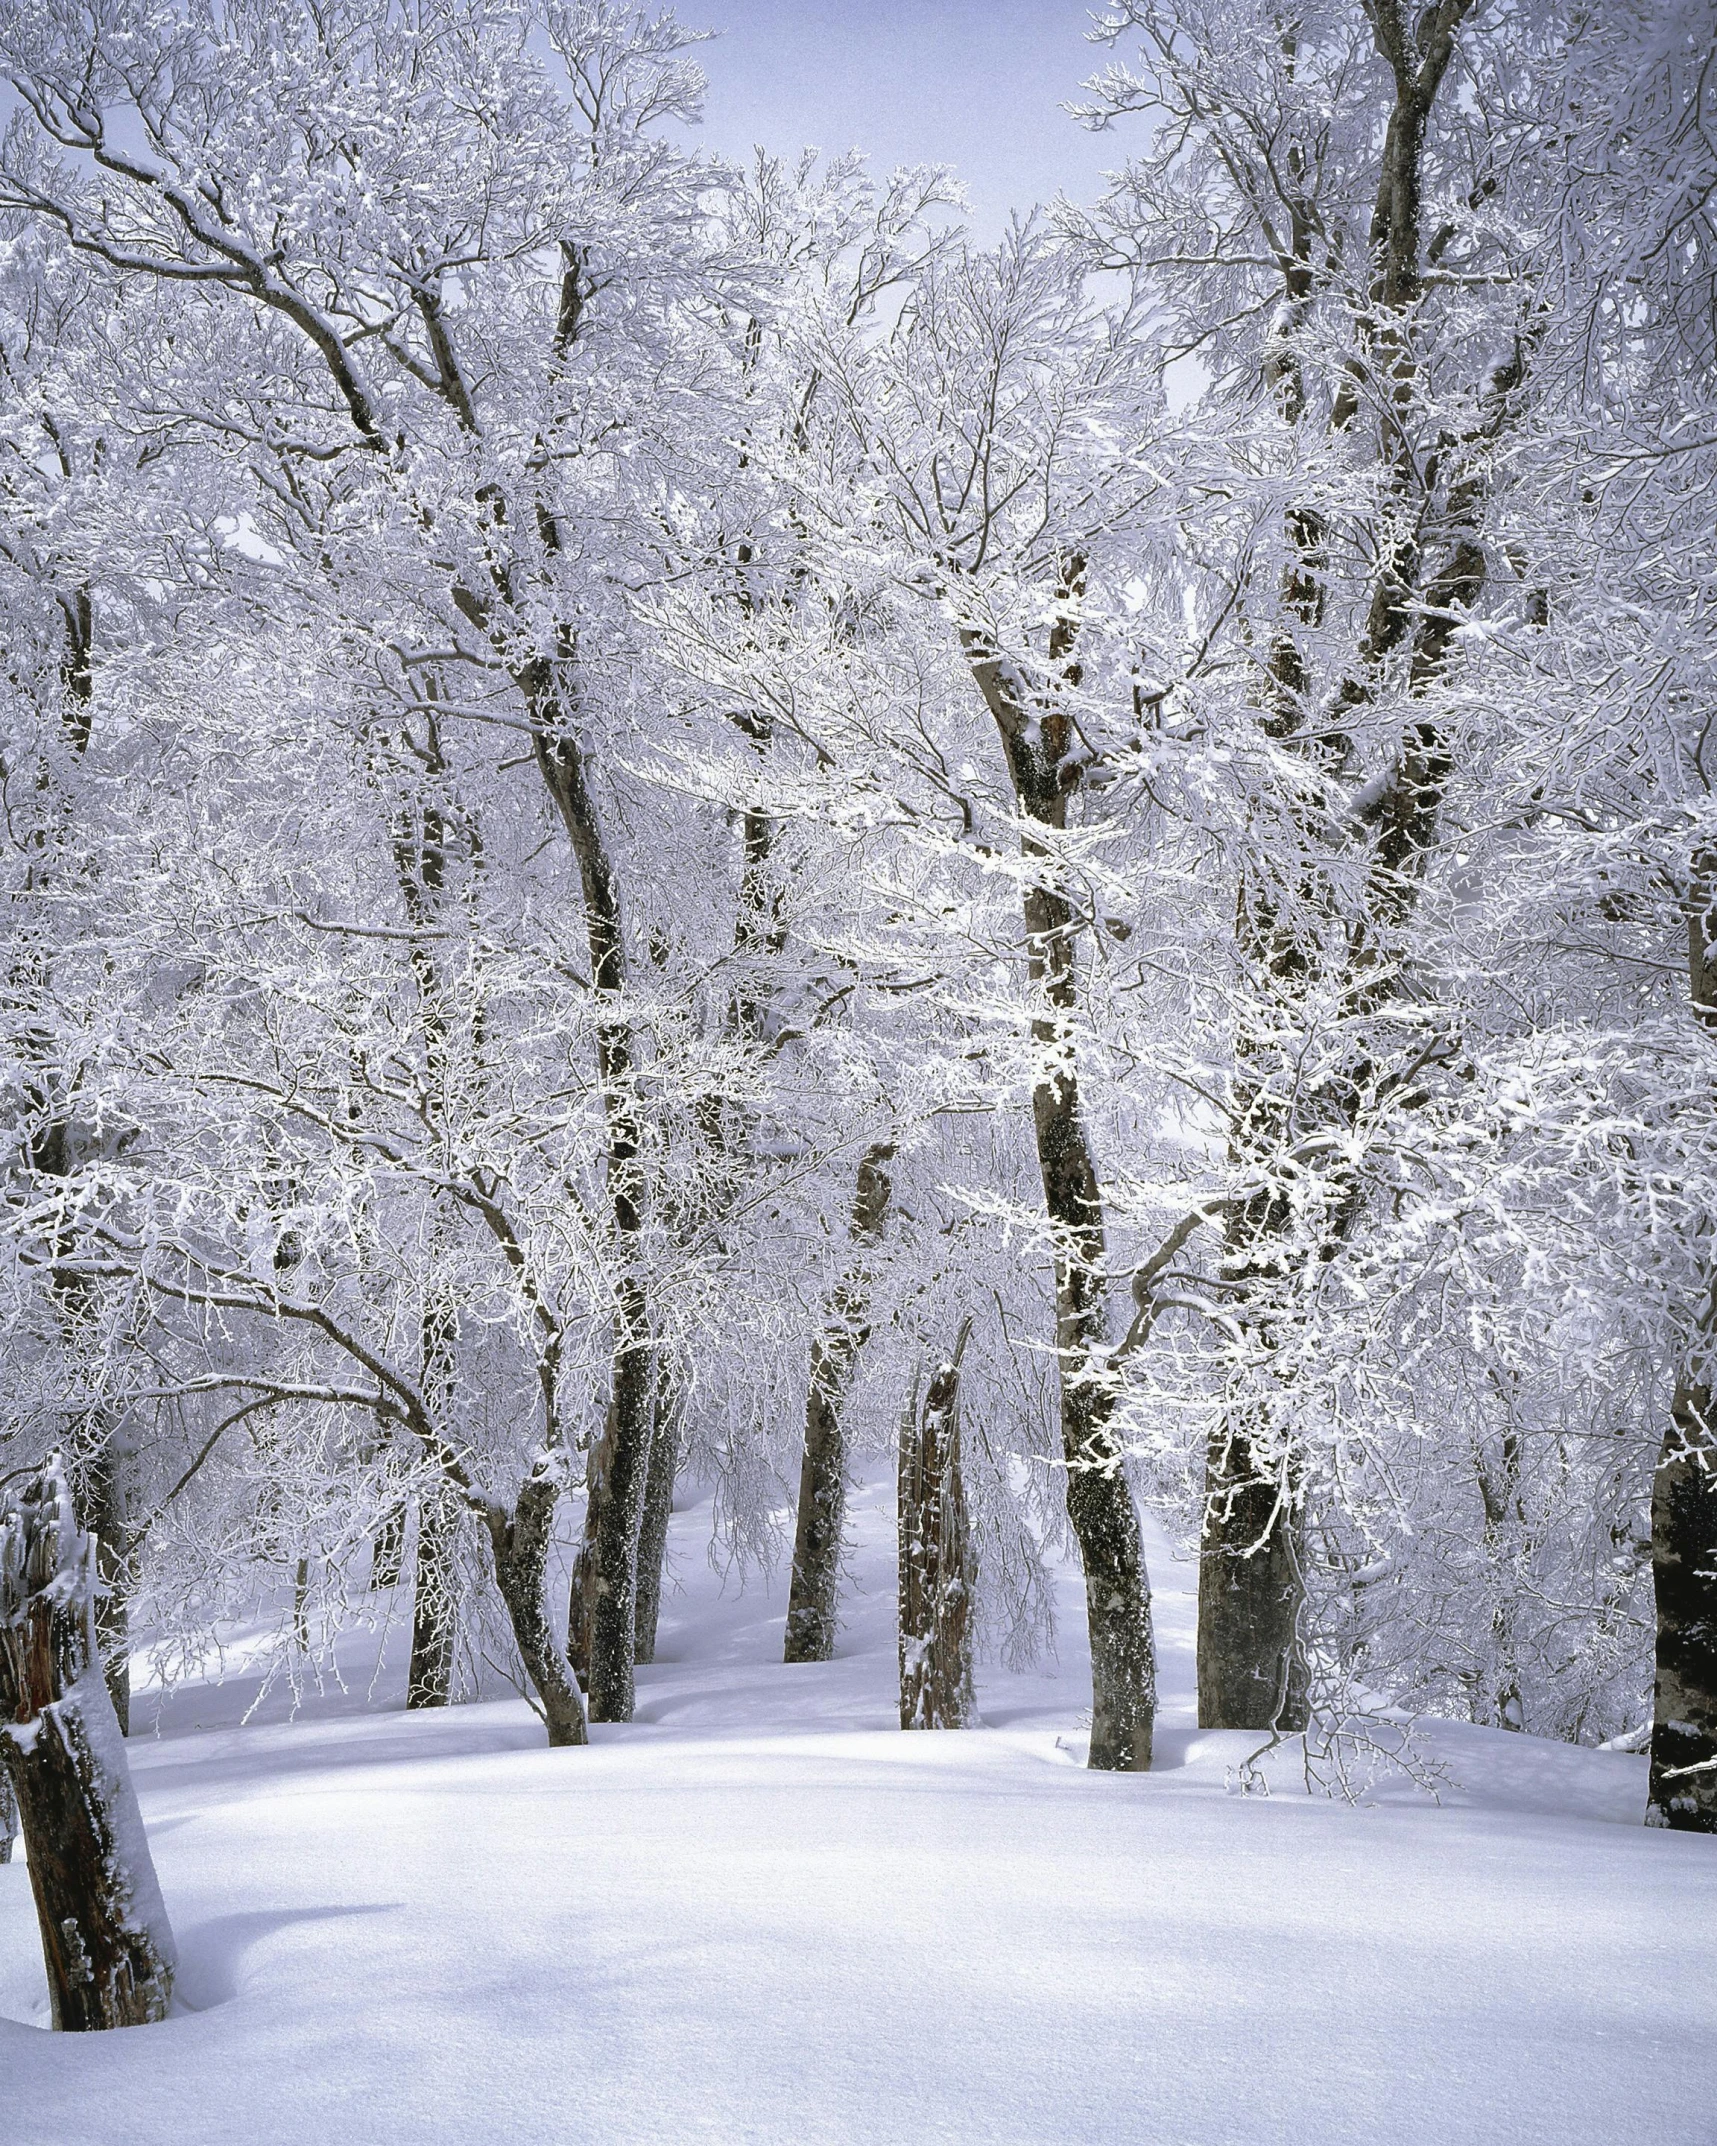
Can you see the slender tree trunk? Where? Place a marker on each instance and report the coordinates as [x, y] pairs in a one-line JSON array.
[[106, 1941], [618, 1476], [521, 1546], [813, 1598], [936, 1568], [1504, 1521], [8, 1814], [1042, 755], [658, 1511], [435, 1595], [1683, 1792], [434, 1616], [106, 1508]]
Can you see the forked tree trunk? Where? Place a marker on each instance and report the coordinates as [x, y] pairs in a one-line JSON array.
[[813, 1598], [520, 1541], [106, 1942], [658, 1511], [936, 1568]]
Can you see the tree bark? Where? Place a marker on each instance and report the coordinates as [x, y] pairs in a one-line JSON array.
[[106, 1942], [1251, 1665], [1683, 1789], [1041, 746], [936, 1568], [521, 1546], [434, 1613], [814, 1595], [8, 1815], [658, 1511], [620, 1463]]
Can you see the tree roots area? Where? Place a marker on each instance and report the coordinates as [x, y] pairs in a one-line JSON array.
[[762, 1912]]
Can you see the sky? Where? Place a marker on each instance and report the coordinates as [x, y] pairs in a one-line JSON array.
[[978, 84]]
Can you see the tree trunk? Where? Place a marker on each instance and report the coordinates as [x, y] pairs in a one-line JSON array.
[[658, 1511], [936, 1569], [434, 1616], [813, 1597], [8, 1815], [1251, 1666], [521, 1546], [618, 1470], [113, 1551], [1043, 763], [106, 1942], [1683, 1791]]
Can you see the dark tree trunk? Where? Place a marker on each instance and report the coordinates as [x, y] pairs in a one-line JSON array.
[[434, 1611], [813, 1598], [521, 1547], [435, 1592], [1683, 1792], [658, 1511], [1043, 762], [1251, 1667], [936, 1569], [105, 1506], [608, 1583], [106, 1942]]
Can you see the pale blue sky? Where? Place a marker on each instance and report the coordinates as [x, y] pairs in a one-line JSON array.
[[973, 83]]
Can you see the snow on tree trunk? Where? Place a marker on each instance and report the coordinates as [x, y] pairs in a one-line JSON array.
[[106, 1942], [936, 1573], [813, 1598], [1039, 742], [1683, 1791]]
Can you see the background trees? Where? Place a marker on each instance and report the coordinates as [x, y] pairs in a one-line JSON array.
[[646, 802]]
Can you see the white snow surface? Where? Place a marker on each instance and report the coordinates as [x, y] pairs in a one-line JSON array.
[[762, 1913]]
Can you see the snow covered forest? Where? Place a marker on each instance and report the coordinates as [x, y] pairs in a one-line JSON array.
[[733, 925]]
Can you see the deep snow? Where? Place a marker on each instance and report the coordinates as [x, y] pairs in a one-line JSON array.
[[761, 1913]]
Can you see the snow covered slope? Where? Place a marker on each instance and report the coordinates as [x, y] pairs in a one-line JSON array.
[[763, 1914]]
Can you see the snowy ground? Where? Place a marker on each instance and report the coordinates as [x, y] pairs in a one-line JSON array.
[[763, 1914]]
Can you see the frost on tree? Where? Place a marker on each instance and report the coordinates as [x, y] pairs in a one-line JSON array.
[[105, 1937], [936, 1575]]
